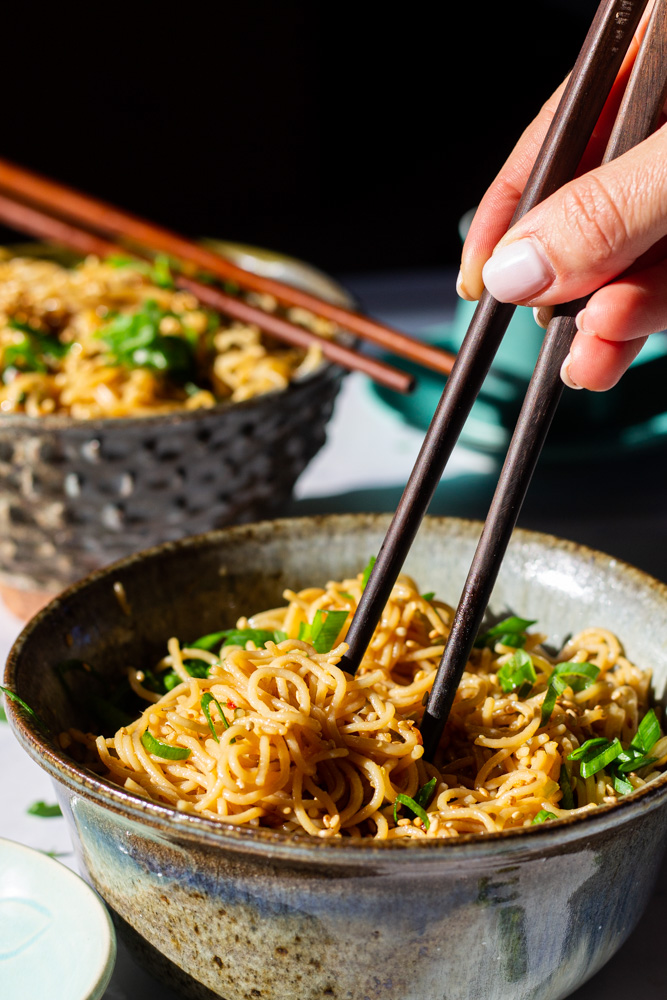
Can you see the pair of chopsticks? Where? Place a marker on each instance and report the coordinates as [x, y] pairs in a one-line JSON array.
[[588, 88], [47, 210]]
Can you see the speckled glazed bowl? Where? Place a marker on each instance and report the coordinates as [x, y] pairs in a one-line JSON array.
[[241, 914], [78, 494]]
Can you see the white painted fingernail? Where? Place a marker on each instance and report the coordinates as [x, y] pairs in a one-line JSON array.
[[516, 272], [542, 315], [461, 290], [565, 374], [580, 320]]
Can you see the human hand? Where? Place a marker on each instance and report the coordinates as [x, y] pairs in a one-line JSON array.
[[607, 227]]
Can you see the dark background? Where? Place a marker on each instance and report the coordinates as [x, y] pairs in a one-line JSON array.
[[351, 135]]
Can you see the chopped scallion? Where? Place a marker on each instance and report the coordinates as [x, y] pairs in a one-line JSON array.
[[543, 815], [367, 572], [577, 676], [508, 632], [164, 750], [418, 810], [648, 732], [43, 810], [425, 793], [567, 799], [518, 673], [26, 708], [206, 709], [323, 631]]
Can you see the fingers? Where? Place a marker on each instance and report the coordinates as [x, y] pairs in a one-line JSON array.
[[629, 308], [496, 208], [598, 364], [614, 326], [587, 233]]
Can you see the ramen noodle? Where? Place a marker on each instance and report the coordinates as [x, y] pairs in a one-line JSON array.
[[115, 338], [267, 731]]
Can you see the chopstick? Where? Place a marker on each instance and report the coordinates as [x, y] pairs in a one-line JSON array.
[[580, 106], [637, 118], [97, 215], [33, 222]]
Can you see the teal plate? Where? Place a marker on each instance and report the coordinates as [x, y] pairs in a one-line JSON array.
[[56, 937], [631, 416]]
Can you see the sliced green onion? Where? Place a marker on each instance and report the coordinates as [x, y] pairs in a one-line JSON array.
[[205, 707], [585, 748], [428, 597], [260, 636], [637, 764], [367, 572], [161, 272], [345, 595], [414, 806], [3, 714], [543, 815], [26, 708], [508, 632], [548, 704], [43, 810], [119, 260], [589, 767], [622, 786], [567, 800], [577, 676], [425, 793], [171, 680], [164, 750], [323, 631], [648, 732], [518, 672]]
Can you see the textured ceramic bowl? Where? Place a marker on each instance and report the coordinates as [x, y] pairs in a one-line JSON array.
[[78, 494], [246, 913]]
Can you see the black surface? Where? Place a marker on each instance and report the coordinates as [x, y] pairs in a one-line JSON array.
[[351, 135]]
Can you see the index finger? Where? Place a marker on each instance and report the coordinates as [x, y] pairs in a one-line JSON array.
[[496, 209]]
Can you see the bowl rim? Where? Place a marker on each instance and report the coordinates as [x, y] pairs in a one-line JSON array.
[[301, 847], [261, 256]]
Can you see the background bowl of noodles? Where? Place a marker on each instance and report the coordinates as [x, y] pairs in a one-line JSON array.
[[236, 911], [114, 462]]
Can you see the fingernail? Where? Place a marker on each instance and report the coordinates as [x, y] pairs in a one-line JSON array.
[[580, 320], [542, 315], [565, 374], [461, 290], [516, 272]]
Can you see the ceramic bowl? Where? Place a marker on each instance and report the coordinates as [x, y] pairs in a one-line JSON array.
[[77, 494], [56, 938], [238, 913]]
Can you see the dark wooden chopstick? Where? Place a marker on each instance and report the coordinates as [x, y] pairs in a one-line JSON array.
[[34, 222], [101, 217], [637, 118], [589, 85]]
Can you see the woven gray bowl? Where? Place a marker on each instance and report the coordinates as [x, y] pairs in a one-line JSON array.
[[220, 911], [78, 494]]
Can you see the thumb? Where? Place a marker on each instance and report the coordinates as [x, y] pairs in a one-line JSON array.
[[587, 233]]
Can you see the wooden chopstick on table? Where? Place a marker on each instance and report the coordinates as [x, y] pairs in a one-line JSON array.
[[580, 106], [34, 222], [96, 215], [637, 118]]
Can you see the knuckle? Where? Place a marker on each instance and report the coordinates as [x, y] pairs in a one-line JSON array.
[[595, 216]]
